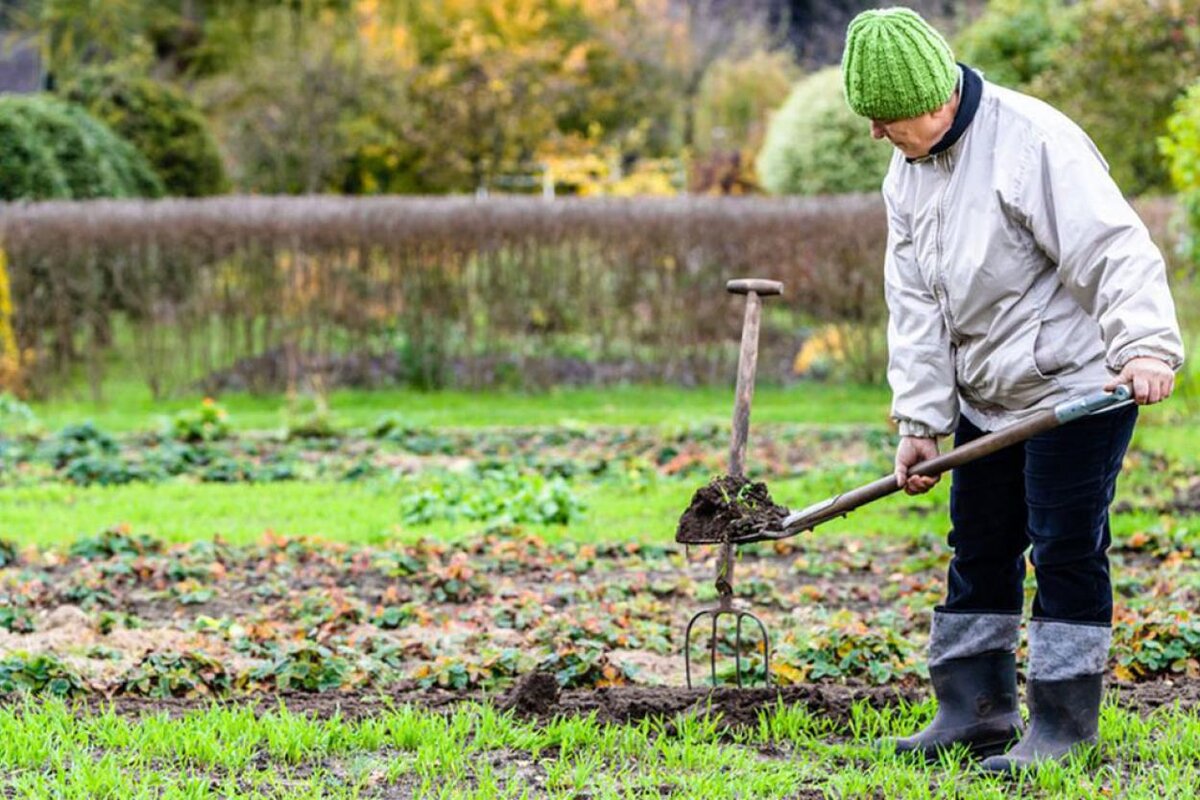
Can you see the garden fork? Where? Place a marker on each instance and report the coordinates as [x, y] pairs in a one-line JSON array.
[[754, 289]]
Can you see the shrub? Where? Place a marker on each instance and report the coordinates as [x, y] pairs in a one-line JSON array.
[[816, 145], [1013, 41], [1181, 147], [93, 160], [133, 174], [160, 121], [28, 170], [1120, 76], [505, 289]]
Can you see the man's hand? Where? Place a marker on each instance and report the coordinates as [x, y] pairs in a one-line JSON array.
[[1150, 379], [913, 450]]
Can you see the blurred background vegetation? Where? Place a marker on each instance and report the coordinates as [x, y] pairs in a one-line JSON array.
[[164, 131]]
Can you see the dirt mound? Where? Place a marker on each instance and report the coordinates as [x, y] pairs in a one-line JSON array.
[[534, 698], [536, 693], [727, 503], [736, 707], [537, 697]]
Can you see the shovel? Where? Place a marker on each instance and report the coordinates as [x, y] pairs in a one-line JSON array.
[[840, 505]]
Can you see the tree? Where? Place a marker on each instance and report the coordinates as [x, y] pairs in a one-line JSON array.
[[1014, 41], [1119, 77]]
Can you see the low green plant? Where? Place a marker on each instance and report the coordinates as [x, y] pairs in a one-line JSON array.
[[170, 673], [584, 666], [114, 541], [844, 647], [77, 441], [498, 496], [16, 619], [306, 667], [41, 673], [208, 422], [8, 553], [489, 670], [1162, 643], [16, 418]]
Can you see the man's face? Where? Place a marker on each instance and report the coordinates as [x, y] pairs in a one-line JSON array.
[[916, 136]]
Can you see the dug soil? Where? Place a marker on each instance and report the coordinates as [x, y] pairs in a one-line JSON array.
[[725, 506], [537, 697]]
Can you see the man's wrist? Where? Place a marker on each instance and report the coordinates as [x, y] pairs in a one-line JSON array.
[[916, 429]]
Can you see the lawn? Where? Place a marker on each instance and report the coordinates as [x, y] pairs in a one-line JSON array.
[[202, 606]]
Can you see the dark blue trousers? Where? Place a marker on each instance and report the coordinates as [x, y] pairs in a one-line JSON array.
[[1051, 492]]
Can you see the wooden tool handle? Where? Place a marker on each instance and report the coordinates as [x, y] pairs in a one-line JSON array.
[[747, 365], [759, 286], [754, 289], [842, 504]]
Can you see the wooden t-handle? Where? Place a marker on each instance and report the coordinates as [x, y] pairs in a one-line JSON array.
[[759, 286]]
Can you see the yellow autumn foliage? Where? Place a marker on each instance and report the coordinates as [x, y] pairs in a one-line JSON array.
[[11, 378], [826, 345]]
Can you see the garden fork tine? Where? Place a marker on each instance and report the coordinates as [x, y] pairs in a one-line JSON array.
[[754, 289]]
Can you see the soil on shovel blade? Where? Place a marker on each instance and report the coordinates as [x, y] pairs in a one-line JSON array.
[[725, 506]]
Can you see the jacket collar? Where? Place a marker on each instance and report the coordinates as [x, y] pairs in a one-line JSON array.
[[971, 89]]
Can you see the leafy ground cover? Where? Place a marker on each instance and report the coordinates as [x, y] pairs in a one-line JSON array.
[[163, 589]]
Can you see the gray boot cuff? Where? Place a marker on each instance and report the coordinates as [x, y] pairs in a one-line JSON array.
[[1062, 650], [955, 634]]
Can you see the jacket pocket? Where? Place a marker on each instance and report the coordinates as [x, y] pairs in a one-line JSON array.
[[1067, 339]]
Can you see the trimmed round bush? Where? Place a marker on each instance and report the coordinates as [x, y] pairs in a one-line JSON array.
[[816, 145], [161, 123], [28, 170], [134, 175], [93, 161]]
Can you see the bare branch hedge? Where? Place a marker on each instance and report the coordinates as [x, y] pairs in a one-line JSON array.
[[432, 291]]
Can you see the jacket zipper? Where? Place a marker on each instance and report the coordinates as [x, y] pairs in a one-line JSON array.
[[940, 282]]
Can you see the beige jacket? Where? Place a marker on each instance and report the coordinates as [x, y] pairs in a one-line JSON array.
[[1016, 273]]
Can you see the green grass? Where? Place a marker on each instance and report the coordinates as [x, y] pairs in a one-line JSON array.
[[369, 512], [128, 407], [47, 751]]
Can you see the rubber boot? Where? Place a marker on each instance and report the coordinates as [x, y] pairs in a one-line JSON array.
[[972, 667], [1063, 715], [977, 707], [1065, 687]]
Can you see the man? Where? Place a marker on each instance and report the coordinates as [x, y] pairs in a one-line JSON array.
[[1016, 276]]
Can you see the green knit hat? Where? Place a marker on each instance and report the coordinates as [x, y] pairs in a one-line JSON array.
[[896, 66]]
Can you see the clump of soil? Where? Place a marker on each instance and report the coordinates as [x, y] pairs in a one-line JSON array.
[[533, 695], [728, 505]]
